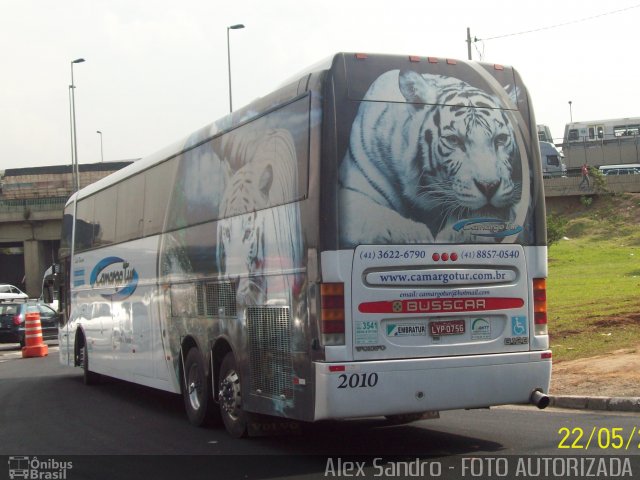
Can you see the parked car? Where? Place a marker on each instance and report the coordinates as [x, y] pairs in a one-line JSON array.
[[12, 321], [9, 292]]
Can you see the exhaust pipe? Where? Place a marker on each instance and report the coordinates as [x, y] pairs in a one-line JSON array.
[[539, 399]]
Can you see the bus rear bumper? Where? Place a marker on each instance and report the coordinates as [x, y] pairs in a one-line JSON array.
[[392, 387]]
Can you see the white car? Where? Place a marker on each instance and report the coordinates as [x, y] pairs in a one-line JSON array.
[[9, 292]]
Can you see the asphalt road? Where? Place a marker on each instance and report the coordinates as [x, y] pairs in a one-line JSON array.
[[46, 411]]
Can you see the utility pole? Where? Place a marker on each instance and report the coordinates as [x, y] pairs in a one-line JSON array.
[[469, 43]]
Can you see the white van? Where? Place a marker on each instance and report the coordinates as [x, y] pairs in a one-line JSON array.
[[552, 161], [623, 169]]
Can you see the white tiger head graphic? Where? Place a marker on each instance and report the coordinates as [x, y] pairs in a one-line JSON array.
[[241, 236], [466, 151], [435, 151], [259, 234]]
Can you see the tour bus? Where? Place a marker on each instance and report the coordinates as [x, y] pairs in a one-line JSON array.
[[602, 142], [367, 240], [552, 161], [544, 134]]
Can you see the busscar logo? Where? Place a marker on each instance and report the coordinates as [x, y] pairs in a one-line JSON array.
[[471, 304], [38, 469]]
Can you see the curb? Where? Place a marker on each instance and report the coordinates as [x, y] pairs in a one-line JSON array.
[[611, 404]]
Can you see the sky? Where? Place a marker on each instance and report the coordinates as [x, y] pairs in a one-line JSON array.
[[157, 70]]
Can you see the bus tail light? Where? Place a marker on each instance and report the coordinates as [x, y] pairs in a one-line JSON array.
[[332, 313], [540, 306]]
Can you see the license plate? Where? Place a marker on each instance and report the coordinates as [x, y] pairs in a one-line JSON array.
[[449, 327]]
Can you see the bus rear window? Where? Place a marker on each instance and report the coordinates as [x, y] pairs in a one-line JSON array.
[[452, 167]]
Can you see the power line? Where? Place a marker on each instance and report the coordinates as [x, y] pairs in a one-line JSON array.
[[475, 39]]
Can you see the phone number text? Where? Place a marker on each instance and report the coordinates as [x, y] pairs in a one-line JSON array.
[[392, 254]]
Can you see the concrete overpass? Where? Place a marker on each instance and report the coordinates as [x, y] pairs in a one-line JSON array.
[[31, 205]]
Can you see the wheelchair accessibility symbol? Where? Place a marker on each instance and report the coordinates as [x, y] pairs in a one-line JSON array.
[[519, 326]]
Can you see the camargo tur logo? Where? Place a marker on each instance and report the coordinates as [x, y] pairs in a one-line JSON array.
[[488, 227], [115, 275]]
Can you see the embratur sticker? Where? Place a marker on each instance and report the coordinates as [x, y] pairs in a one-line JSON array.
[[406, 329]]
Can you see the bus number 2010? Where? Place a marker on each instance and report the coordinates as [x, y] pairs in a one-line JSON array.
[[358, 380]]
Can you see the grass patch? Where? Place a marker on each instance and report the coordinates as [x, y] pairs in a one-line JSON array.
[[594, 280]]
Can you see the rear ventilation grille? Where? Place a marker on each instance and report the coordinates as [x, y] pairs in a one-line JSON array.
[[270, 351]]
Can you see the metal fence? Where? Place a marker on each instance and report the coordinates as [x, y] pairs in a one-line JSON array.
[[33, 204]]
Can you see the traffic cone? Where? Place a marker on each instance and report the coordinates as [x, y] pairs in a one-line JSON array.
[[34, 345]]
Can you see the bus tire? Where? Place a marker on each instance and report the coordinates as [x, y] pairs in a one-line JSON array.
[[88, 377], [196, 391], [230, 398]]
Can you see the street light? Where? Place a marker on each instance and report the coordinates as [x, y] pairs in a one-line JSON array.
[[101, 150], [570, 112], [232, 27], [74, 135]]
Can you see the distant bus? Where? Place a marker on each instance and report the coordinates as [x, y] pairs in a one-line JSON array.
[[602, 142], [624, 169], [544, 134], [552, 161], [368, 240]]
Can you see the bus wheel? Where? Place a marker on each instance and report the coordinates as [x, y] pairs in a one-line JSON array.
[[196, 392], [89, 377], [230, 398]]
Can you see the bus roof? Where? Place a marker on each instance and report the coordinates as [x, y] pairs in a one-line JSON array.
[[247, 113]]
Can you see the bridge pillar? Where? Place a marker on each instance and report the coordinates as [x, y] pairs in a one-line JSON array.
[[34, 266]]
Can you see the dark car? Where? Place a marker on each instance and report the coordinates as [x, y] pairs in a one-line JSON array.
[[12, 320]]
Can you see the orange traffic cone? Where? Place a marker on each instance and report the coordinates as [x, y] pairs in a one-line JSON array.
[[34, 345]]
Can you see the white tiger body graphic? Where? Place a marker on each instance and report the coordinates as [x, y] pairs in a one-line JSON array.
[[260, 247], [425, 151]]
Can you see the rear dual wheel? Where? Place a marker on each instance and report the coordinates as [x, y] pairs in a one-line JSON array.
[[230, 398], [198, 399]]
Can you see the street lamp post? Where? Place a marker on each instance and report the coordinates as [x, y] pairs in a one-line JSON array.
[[101, 149], [73, 163], [74, 134], [232, 27], [570, 112]]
